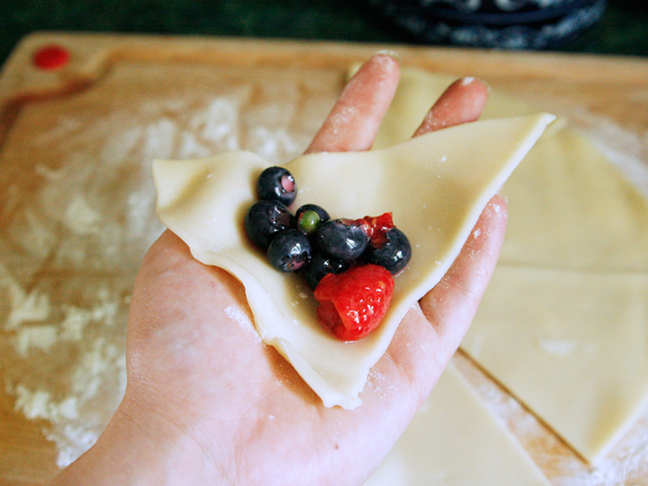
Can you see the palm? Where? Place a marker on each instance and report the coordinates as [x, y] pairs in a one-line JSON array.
[[214, 372], [198, 368]]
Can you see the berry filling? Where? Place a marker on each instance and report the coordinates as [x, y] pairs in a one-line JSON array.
[[349, 263]]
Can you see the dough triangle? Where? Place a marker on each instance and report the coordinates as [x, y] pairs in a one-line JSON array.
[[436, 186]]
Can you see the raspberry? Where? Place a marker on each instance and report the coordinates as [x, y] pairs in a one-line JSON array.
[[353, 303], [377, 227]]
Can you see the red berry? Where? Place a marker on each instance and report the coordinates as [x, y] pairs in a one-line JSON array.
[[377, 228], [353, 303]]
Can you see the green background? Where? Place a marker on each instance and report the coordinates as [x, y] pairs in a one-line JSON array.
[[622, 30]]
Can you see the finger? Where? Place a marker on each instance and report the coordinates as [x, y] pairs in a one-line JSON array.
[[451, 305], [353, 123], [462, 102], [420, 366], [438, 324]]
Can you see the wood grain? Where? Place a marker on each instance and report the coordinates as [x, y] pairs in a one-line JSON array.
[[611, 87]]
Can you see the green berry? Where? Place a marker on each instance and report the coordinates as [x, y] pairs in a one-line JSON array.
[[308, 222]]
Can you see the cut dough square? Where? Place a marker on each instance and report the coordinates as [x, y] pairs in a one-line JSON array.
[[564, 324], [571, 344]]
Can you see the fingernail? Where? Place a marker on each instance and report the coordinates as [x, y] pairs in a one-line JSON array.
[[470, 79], [387, 52]]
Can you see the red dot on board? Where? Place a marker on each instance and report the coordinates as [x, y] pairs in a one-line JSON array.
[[51, 57]]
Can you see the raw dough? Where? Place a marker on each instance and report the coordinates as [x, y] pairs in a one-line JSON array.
[[453, 440], [584, 277], [417, 92], [572, 209], [564, 324], [436, 186], [580, 358]]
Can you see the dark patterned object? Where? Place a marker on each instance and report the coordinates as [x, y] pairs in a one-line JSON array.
[[506, 24]]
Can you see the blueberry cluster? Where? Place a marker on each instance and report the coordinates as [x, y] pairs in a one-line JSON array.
[[310, 242]]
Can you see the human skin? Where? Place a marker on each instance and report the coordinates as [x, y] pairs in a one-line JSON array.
[[208, 403]]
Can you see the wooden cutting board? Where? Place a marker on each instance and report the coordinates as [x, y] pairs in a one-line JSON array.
[[107, 68]]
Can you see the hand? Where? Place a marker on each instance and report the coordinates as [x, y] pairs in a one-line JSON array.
[[208, 403]]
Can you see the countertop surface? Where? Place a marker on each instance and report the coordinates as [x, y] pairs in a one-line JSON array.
[[622, 30]]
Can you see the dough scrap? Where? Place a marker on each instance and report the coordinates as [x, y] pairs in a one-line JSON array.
[[436, 186], [563, 324], [453, 440]]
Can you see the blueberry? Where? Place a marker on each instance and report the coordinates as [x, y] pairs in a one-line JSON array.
[[277, 183], [321, 265], [309, 216], [394, 254], [289, 250], [342, 239], [264, 219]]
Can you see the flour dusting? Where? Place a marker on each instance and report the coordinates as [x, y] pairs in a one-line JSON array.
[[238, 316], [80, 214], [557, 347], [625, 149]]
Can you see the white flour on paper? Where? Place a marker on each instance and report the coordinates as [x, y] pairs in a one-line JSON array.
[[71, 249]]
